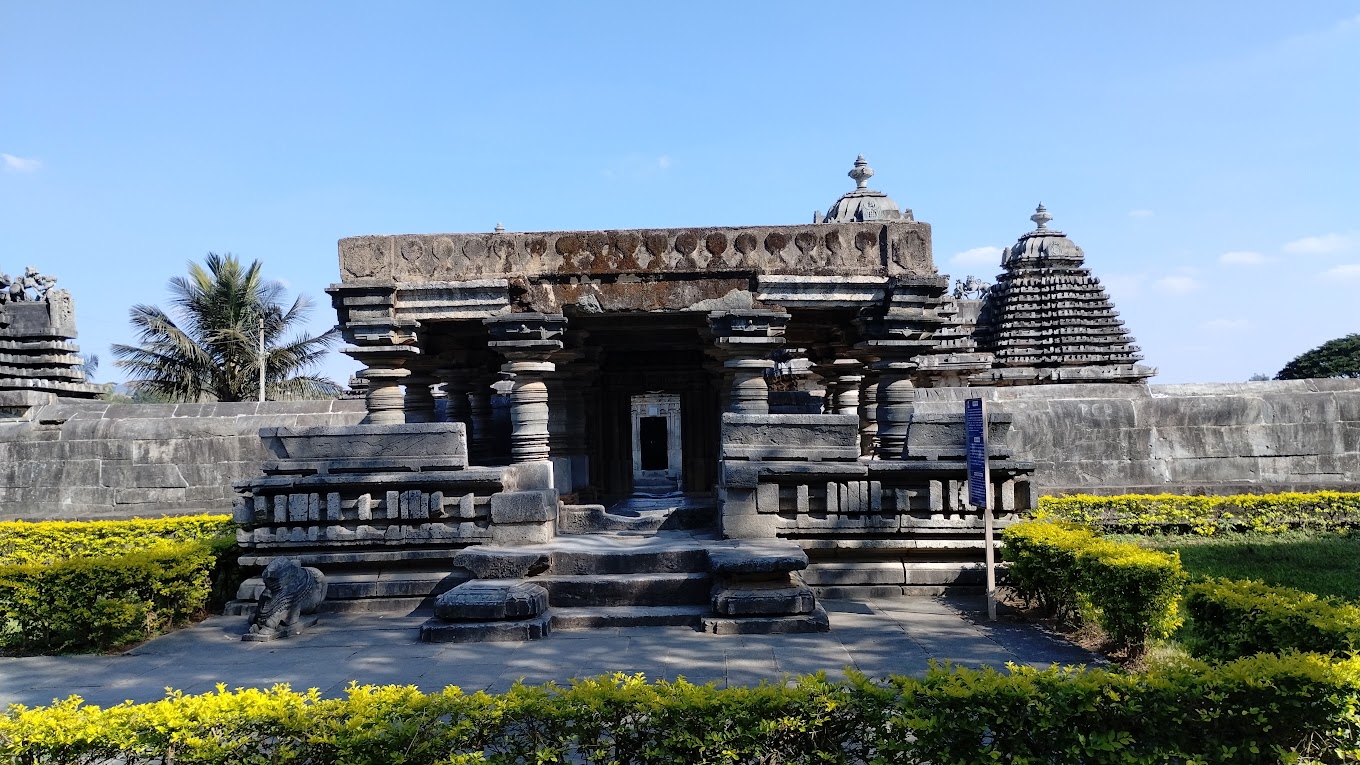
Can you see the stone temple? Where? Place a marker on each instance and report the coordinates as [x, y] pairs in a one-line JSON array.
[[704, 426]]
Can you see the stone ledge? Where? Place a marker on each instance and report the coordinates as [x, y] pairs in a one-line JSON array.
[[436, 631]]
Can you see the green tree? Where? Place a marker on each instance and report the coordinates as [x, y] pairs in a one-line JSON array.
[[209, 350], [1334, 358]]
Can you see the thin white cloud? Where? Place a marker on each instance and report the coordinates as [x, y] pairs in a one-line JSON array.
[[1178, 284], [978, 256], [1123, 286], [1241, 258], [1225, 325], [1141, 213], [1348, 272], [663, 161], [1325, 244], [19, 164]]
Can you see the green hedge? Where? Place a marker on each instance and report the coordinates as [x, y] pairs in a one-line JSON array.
[[1231, 618], [100, 602], [49, 541], [1131, 592], [1258, 710], [1144, 513]]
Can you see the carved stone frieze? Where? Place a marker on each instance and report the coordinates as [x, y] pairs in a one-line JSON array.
[[857, 248]]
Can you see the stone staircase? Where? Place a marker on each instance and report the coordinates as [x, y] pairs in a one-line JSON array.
[[626, 579]]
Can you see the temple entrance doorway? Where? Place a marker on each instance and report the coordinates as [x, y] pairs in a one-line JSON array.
[[657, 451]]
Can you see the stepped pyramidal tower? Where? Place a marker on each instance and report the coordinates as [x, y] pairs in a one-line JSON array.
[[38, 360], [1047, 319]]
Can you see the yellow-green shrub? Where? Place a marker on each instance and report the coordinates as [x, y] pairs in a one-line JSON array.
[[1262, 709], [1043, 564], [48, 541], [1131, 592], [98, 602], [1232, 618], [1143, 513]]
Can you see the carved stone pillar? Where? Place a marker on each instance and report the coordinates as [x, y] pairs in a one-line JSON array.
[[567, 420], [745, 339], [384, 400], [868, 413], [419, 400], [481, 438], [897, 334], [895, 403], [457, 386], [843, 379], [528, 409], [527, 340]]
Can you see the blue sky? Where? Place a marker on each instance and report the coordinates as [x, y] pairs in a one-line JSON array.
[[1205, 155]]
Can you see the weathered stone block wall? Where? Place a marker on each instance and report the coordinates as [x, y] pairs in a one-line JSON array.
[[1296, 435], [94, 459]]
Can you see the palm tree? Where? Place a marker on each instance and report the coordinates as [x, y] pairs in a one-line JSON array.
[[209, 351]]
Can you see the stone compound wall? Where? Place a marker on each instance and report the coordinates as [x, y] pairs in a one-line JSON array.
[[1223, 438], [92, 459], [77, 459]]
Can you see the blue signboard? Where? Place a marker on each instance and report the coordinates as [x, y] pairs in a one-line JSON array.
[[975, 429]]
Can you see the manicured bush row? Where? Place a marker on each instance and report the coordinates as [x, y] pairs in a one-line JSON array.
[[1145, 513], [98, 602], [48, 541], [1230, 618], [1132, 593], [1257, 710]]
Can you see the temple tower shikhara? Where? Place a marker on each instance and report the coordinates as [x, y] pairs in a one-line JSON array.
[[765, 382]]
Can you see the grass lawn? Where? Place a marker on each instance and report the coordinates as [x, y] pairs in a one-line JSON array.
[[1321, 563]]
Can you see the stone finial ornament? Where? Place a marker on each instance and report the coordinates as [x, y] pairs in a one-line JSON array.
[[863, 203], [1041, 217], [499, 228], [861, 172], [290, 593]]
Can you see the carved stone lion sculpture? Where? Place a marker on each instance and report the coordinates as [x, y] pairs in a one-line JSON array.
[[290, 592]]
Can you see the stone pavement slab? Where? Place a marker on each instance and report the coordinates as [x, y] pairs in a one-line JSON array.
[[877, 637]]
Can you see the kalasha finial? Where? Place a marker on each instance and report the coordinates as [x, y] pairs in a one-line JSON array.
[[500, 229], [1041, 217], [861, 172]]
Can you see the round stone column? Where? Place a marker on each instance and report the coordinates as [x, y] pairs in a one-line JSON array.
[[528, 409], [747, 391], [843, 387], [481, 439], [896, 401], [457, 385], [385, 403], [419, 399]]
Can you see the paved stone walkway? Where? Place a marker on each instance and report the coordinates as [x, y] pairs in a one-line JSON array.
[[877, 637]]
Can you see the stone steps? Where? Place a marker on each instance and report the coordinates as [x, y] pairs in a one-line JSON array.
[[626, 590], [586, 618]]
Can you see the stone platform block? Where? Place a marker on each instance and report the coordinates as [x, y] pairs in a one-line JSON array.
[[817, 621], [756, 558], [436, 631], [494, 563], [751, 599], [483, 600], [420, 440], [524, 506]]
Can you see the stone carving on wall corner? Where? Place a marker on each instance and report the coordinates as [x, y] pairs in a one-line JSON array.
[[971, 288], [292, 593], [29, 287]]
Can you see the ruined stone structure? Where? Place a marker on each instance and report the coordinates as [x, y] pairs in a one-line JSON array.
[[645, 459], [38, 361]]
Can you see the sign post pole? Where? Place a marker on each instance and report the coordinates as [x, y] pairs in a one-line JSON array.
[[980, 487]]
